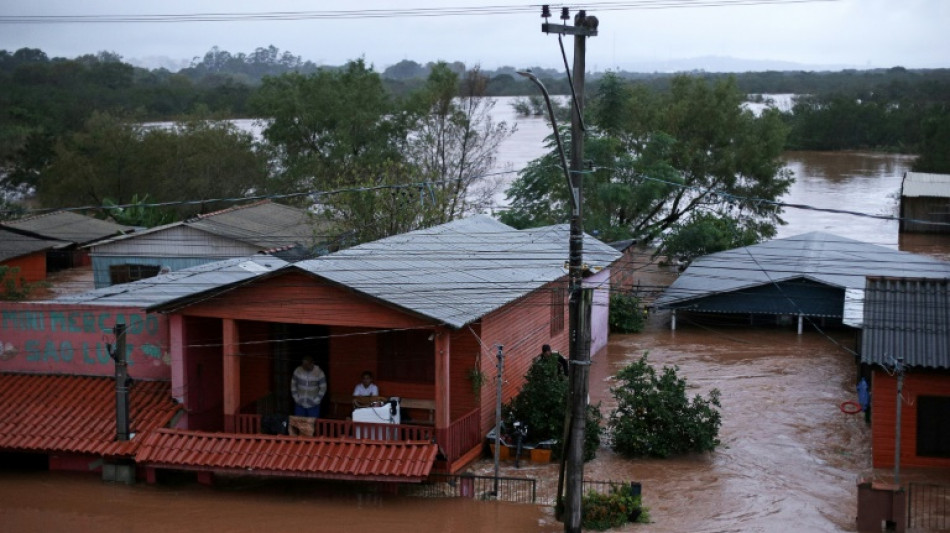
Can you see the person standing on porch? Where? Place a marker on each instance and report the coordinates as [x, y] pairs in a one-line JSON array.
[[307, 386]]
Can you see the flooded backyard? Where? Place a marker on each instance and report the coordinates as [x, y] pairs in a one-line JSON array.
[[789, 459]]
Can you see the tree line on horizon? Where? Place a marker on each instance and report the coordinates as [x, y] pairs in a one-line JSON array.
[[414, 152]]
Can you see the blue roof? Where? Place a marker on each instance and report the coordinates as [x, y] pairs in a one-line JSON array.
[[818, 257]]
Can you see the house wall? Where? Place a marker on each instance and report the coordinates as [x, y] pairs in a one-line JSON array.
[[256, 364], [522, 327], [72, 339], [352, 351], [927, 208], [301, 299], [32, 267], [176, 247], [884, 417], [203, 374], [600, 310]]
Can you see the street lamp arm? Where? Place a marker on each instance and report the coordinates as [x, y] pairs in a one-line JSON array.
[[575, 205]]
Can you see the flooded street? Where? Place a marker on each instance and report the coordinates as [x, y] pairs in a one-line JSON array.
[[789, 459]]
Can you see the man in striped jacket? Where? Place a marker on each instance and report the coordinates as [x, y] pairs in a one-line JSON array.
[[307, 386]]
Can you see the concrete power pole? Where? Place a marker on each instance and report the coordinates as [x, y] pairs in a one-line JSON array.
[[580, 299]]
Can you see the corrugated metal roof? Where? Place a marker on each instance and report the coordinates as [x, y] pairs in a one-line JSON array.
[[460, 271], [286, 455], [68, 226], [817, 256], [76, 414], [264, 224], [917, 184], [183, 283], [13, 244], [907, 318]]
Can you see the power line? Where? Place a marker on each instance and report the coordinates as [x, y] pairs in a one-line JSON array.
[[391, 13]]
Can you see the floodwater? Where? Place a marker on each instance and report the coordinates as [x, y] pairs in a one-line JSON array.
[[789, 460]]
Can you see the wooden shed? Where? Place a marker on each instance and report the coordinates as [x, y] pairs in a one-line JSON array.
[[925, 203]]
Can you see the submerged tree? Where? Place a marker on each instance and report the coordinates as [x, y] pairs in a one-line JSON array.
[[654, 416], [659, 159]]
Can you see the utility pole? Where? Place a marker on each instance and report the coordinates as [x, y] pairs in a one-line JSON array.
[[121, 384], [573, 453], [500, 367]]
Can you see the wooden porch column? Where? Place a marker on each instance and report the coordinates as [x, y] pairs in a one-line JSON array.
[[232, 374], [176, 348], [442, 404]]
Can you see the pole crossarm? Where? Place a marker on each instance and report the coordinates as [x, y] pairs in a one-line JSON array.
[[564, 29]]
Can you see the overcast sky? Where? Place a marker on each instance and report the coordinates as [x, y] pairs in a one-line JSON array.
[[816, 34]]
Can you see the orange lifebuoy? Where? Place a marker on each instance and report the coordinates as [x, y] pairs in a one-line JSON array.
[[850, 407]]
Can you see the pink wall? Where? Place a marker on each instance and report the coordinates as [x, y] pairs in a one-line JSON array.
[[72, 339]]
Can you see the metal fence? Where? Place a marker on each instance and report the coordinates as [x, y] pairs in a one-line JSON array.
[[928, 507], [509, 489]]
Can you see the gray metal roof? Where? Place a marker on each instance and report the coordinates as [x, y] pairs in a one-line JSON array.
[[13, 244], [69, 227], [164, 288], [907, 318], [821, 257], [460, 271], [267, 225], [917, 184]]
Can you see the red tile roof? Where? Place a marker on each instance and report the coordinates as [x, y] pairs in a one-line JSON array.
[[45, 413], [283, 455]]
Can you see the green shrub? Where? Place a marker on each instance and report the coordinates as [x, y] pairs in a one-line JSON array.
[[626, 315], [654, 417], [605, 511], [541, 405]]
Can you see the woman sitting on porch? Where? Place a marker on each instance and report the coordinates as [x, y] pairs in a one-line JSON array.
[[366, 393]]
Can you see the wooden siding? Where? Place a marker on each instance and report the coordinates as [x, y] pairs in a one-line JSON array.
[[884, 417], [927, 209], [352, 351], [177, 241], [521, 327], [32, 267], [256, 364], [301, 299], [600, 310]]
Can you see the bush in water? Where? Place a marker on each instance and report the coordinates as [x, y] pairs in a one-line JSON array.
[[654, 417]]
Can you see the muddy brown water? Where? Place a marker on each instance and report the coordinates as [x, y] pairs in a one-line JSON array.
[[789, 459]]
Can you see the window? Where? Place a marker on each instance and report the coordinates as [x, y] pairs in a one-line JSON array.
[[126, 273], [933, 426], [407, 356], [557, 310]]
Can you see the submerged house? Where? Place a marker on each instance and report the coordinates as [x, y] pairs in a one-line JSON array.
[[25, 254], [925, 203], [427, 312], [261, 227], [906, 341], [815, 275], [57, 387], [69, 233]]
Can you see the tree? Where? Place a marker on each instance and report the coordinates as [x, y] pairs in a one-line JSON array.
[[327, 127], [542, 402], [707, 233], [935, 146], [115, 160], [654, 417], [454, 142], [659, 158]]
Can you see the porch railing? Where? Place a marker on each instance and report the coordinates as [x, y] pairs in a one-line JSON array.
[[460, 437], [346, 429]]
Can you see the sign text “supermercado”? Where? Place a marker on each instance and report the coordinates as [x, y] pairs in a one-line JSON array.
[[66, 340]]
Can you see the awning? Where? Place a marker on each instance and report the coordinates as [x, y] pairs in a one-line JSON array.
[[76, 414], [289, 456]]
